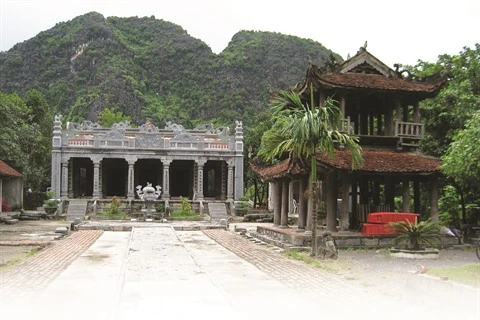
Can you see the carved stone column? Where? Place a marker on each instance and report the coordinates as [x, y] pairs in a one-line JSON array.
[[131, 179], [223, 179], [64, 183], [200, 164], [96, 179], [166, 180], [230, 181]]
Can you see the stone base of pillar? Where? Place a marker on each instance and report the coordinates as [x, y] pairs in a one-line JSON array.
[[308, 233], [283, 227], [300, 230]]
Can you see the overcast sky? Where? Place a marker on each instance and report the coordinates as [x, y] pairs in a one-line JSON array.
[[397, 31]]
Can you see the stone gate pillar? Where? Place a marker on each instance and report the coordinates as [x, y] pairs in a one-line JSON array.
[[166, 180]]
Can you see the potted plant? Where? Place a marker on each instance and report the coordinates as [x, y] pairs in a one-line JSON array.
[[50, 205], [416, 240]]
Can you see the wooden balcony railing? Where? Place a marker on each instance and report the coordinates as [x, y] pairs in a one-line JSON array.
[[409, 129]]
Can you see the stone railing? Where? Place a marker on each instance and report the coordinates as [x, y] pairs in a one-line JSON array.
[[153, 142]]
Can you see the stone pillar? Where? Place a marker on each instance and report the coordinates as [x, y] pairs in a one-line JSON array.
[[344, 213], [230, 182], [200, 164], [331, 201], [56, 174], [405, 196], [223, 178], [271, 187], [131, 179], [166, 180], [70, 178], [434, 200], [285, 198], [96, 179], [291, 205], [277, 202], [64, 182], [302, 203]]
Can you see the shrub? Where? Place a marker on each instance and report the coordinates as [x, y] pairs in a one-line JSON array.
[[114, 205], [415, 236], [160, 207]]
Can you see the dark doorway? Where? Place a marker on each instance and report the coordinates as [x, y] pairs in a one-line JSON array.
[[114, 177], [82, 177], [212, 179], [148, 171], [181, 178]]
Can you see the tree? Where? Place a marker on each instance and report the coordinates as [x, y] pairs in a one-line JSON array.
[[25, 136], [306, 130], [447, 113], [460, 162], [108, 117]]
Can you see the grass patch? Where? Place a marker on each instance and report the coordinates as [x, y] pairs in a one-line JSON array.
[[112, 215], [180, 214], [467, 274], [34, 251], [333, 266], [9, 264]]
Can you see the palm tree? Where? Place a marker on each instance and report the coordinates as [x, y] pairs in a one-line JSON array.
[[304, 130]]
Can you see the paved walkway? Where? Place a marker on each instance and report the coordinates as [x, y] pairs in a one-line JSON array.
[[155, 272]]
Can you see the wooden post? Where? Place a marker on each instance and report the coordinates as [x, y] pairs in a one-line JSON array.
[[344, 214], [332, 201], [405, 195]]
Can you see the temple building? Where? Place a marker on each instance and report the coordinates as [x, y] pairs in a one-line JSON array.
[[381, 107], [92, 162]]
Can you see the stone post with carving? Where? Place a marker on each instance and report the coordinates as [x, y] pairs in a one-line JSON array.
[[56, 156]]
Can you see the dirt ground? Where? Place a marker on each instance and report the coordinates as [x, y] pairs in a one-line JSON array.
[[18, 240]]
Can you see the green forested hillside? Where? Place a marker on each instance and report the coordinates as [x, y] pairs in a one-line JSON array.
[[152, 69]]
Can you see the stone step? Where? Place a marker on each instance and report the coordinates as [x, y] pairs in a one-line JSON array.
[[217, 211]]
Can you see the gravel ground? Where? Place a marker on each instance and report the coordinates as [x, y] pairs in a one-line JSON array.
[[378, 268]]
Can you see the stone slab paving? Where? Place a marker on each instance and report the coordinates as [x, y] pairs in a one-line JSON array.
[[157, 272]]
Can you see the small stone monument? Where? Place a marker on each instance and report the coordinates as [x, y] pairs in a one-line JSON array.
[[148, 194]]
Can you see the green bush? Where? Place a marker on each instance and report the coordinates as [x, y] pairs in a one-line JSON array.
[[160, 207], [414, 236]]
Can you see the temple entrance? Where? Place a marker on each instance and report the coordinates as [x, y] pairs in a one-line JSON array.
[[82, 177], [212, 180], [148, 170], [181, 178], [114, 177]]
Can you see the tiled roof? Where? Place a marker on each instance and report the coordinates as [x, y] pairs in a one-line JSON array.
[[6, 170], [383, 161], [374, 161], [378, 82], [283, 168]]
